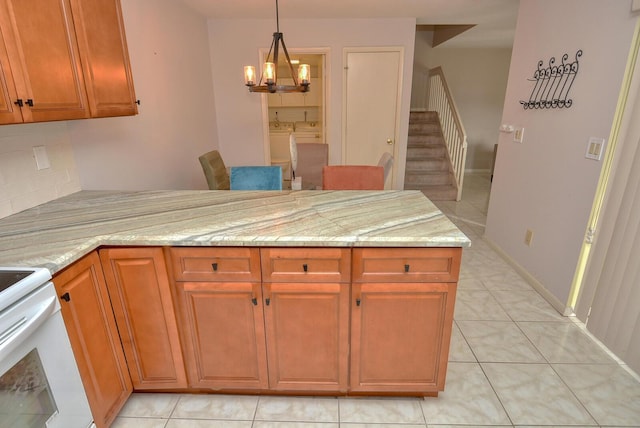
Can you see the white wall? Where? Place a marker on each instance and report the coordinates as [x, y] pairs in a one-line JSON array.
[[478, 82], [546, 184], [22, 186], [158, 148], [235, 43]]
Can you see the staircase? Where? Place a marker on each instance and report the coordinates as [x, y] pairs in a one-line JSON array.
[[428, 166]]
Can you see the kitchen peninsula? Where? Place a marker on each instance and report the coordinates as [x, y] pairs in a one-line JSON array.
[[307, 292]]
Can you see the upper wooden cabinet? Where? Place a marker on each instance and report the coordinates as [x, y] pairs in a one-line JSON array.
[[105, 59], [63, 59]]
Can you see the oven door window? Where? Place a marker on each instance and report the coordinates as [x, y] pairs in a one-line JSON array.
[[25, 395]]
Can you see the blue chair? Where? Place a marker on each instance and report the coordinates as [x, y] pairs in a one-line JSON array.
[[256, 178]]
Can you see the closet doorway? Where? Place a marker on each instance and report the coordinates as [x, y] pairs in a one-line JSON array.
[[301, 114]]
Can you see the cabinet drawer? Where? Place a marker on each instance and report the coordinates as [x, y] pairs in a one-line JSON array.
[[406, 264], [305, 265], [216, 264]]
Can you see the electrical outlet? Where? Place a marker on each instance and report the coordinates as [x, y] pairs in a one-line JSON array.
[[518, 135], [528, 237], [42, 159]]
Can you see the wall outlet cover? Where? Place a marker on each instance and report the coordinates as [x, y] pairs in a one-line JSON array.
[[595, 148], [518, 135], [42, 159]]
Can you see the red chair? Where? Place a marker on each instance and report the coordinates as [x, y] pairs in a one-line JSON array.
[[352, 177]]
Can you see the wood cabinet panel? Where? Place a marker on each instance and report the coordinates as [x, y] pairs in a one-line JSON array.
[[224, 330], [216, 264], [400, 336], [142, 303], [94, 338], [44, 49], [9, 112], [406, 264], [306, 264], [105, 58], [308, 336]]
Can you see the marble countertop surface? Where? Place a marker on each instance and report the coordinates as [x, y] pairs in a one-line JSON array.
[[57, 233]]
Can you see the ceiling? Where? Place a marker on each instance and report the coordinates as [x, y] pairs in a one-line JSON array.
[[495, 20]]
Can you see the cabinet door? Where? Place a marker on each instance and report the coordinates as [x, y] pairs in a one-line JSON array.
[[138, 285], [94, 338], [105, 59], [400, 336], [223, 328], [44, 49], [9, 112], [308, 336]]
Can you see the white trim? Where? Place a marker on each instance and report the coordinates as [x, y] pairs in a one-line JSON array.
[[537, 285], [477, 171]]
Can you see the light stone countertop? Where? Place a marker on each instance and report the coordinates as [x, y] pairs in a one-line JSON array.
[[57, 233]]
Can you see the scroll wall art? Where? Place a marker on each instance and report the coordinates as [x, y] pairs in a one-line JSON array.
[[553, 84]]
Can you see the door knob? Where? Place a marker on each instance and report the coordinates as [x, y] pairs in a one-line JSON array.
[[389, 141]]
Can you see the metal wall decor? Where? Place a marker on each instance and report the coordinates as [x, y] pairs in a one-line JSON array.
[[553, 83]]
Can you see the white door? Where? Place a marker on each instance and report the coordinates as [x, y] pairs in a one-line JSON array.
[[373, 81]]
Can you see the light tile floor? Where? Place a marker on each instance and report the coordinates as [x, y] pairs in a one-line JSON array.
[[514, 362]]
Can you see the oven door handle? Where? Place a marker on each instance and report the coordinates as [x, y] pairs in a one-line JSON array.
[[20, 330]]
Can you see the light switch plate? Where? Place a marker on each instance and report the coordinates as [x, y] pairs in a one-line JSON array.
[[42, 159], [595, 148], [518, 135]]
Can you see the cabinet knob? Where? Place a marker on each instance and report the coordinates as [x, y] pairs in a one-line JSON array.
[[254, 301], [19, 102], [305, 267], [66, 297], [406, 268], [267, 301], [29, 102], [390, 141], [138, 102], [214, 266], [358, 302]]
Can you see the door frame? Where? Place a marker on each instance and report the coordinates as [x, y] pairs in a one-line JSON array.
[[365, 49], [582, 291], [326, 98]]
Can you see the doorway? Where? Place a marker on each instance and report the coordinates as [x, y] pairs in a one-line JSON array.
[[300, 114]]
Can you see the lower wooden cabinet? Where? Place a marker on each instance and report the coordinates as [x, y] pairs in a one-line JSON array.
[[142, 302], [289, 320], [89, 320], [402, 307], [400, 336], [224, 342], [307, 327]]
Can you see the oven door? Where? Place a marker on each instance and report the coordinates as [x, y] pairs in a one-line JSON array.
[[40, 385]]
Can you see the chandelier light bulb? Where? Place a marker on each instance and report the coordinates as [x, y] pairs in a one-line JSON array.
[[249, 75]]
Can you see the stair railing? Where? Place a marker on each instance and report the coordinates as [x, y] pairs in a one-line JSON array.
[[439, 99]]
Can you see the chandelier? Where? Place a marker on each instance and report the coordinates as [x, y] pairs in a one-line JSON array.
[[269, 79]]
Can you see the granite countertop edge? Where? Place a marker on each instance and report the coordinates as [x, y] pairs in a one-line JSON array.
[[60, 232]]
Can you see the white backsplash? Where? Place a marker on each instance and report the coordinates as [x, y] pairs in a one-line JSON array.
[[22, 186]]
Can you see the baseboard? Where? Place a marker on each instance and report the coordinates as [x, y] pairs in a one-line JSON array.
[[477, 171], [559, 306]]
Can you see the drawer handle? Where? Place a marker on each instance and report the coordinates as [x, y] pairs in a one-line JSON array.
[[215, 267], [358, 302], [406, 268], [254, 301], [305, 267]]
